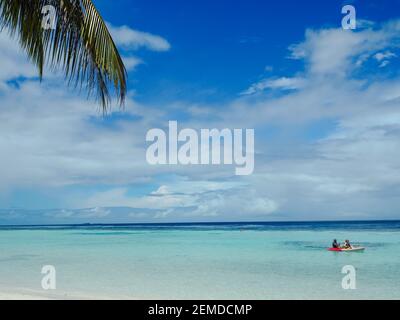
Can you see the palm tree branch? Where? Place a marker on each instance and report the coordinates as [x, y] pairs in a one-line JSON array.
[[80, 44]]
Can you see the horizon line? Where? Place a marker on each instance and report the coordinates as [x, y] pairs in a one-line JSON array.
[[194, 223]]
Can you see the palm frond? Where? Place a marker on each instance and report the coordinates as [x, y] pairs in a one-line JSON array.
[[80, 44]]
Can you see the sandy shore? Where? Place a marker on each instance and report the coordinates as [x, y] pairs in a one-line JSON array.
[[7, 293], [26, 294], [21, 296]]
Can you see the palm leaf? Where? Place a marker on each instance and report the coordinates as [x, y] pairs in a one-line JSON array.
[[80, 44]]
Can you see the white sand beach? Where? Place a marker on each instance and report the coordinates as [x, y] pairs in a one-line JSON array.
[[27, 294], [20, 296]]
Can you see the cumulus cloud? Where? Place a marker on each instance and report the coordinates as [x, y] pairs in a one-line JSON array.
[[91, 213], [180, 192], [384, 58], [283, 83], [131, 62], [52, 139], [332, 51], [384, 55], [13, 60], [131, 39], [351, 172]]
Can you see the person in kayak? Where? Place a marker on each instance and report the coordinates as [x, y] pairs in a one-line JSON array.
[[335, 244], [347, 245]]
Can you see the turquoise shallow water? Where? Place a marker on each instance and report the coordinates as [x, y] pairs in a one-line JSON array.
[[223, 261]]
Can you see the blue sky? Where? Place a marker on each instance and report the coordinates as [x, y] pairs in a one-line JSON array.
[[222, 48], [323, 102]]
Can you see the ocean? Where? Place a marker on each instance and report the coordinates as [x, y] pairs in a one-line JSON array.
[[277, 260]]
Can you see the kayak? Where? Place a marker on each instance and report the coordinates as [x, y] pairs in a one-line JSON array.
[[347, 250]]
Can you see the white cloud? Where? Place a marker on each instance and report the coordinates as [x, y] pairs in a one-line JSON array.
[[365, 24], [192, 199], [13, 60], [91, 213], [332, 51], [119, 197], [131, 39], [51, 139], [180, 193], [353, 169], [279, 84], [131, 62], [384, 58], [384, 55]]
